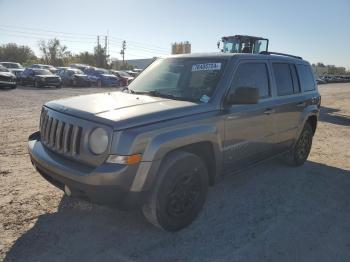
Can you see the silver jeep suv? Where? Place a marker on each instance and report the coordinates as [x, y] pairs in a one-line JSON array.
[[182, 123]]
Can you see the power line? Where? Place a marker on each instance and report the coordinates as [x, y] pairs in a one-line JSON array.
[[44, 37], [81, 38], [75, 35], [51, 31]]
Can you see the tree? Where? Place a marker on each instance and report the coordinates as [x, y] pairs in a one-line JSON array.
[[84, 58], [16, 53], [101, 56], [54, 53]]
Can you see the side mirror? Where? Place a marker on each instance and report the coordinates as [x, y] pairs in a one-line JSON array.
[[244, 95]]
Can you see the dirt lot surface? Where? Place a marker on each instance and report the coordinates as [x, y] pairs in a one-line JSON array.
[[269, 213]]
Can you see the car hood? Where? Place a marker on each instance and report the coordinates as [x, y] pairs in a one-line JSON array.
[[109, 75], [16, 69], [46, 76], [7, 74], [81, 75], [122, 110]]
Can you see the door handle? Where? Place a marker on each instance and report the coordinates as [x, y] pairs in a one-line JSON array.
[[301, 104], [269, 111]]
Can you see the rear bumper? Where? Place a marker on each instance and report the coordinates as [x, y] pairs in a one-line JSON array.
[[107, 184]]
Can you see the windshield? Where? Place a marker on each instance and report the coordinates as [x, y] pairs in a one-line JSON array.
[[11, 65], [184, 79], [122, 73], [42, 72]]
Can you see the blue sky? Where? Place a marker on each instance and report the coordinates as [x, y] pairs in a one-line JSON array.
[[315, 30]]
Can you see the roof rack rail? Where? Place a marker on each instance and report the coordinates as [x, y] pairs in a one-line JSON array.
[[281, 54]]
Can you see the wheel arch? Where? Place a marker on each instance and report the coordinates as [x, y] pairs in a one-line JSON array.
[[200, 140]]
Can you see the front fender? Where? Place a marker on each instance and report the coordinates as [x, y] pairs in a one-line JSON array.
[[164, 143]]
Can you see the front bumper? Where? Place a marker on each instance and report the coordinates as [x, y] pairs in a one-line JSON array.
[[106, 184], [7, 83]]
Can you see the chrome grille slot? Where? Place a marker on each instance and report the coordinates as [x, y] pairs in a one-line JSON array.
[[60, 136], [67, 137], [52, 134], [59, 133]]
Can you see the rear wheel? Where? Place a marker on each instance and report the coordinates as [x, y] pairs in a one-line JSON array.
[[179, 192], [301, 150]]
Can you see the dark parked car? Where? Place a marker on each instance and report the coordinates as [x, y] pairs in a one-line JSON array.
[[182, 124], [40, 78], [73, 77], [102, 77], [51, 68], [7, 79], [125, 78]]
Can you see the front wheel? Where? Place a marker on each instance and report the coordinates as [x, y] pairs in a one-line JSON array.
[[179, 192], [301, 150]]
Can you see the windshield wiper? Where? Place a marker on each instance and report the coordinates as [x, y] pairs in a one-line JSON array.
[[159, 94]]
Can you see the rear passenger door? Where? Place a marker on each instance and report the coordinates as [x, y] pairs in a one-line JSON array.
[[249, 128], [288, 103]]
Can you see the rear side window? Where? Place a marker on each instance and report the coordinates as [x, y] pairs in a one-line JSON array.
[[252, 75], [283, 78], [306, 79]]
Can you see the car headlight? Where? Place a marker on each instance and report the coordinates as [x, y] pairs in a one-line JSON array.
[[98, 141]]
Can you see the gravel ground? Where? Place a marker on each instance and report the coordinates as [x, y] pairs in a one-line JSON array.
[[269, 213]]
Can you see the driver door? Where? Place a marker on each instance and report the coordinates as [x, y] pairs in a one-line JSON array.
[[249, 129]]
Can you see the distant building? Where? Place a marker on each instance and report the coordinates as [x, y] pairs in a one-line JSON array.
[[319, 70], [181, 48]]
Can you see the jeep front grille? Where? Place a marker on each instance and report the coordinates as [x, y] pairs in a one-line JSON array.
[[60, 136]]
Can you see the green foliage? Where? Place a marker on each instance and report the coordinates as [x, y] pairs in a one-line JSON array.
[[15, 53], [84, 58], [53, 53], [101, 57]]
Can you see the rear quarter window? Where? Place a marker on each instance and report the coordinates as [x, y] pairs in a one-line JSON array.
[[283, 77], [306, 78]]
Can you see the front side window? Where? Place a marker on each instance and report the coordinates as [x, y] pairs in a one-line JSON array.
[[306, 79], [180, 78], [283, 77], [252, 75]]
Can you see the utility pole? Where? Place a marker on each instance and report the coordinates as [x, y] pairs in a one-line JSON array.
[[106, 44], [122, 52]]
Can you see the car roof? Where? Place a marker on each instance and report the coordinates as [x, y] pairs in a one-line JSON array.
[[229, 56]]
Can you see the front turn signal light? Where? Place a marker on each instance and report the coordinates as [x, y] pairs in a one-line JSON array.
[[124, 160]]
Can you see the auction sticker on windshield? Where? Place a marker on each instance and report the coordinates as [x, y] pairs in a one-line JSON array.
[[206, 67]]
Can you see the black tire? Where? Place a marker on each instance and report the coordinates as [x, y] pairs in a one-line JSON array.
[[301, 149], [59, 86], [99, 83], [179, 192], [13, 86]]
